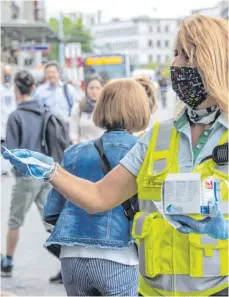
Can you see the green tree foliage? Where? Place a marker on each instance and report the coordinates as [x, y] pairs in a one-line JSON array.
[[152, 65], [73, 32]]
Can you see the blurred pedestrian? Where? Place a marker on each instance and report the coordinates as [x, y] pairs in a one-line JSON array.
[[151, 93], [8, 105], [163, 83], [24, 129], [82, 127], [59, 97], [98, 256]]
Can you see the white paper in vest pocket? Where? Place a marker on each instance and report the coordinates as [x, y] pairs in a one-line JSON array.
[[181, 193]]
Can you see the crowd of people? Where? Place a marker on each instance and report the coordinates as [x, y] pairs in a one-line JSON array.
[[96, 181]]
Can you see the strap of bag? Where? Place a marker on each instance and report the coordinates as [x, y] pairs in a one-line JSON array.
[[70, 103], [46, 116], [128, 208]]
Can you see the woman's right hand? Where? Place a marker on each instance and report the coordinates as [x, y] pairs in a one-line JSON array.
[[30, 170]]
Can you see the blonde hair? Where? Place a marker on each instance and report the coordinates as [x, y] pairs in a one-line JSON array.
[[149, 88], [204, 39], [122, 104]]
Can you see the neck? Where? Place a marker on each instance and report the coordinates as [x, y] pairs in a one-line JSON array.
[[53, 84], [25, 98]]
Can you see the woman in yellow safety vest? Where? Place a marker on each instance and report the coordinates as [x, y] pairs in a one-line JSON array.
[[193, 259]]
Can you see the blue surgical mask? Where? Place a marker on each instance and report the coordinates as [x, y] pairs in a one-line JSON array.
[[30, 161]]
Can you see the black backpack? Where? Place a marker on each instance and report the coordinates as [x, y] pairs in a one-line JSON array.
[[130, 206], [55, 136]]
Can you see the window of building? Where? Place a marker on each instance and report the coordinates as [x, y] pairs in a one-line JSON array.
[[158, 29], [150, 58], [150, 29], [167, 29], [150, 43], [158, 58], [159, 43], [166, 43]]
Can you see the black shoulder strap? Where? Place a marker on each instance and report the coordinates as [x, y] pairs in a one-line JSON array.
[[106, 168], [105, 164], [46, 116], [67, 97]]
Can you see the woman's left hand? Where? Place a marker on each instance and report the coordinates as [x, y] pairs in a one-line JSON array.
[[30, 170], [215, 225]]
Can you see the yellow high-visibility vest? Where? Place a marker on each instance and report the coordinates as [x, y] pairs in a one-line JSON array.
[[171, 262]]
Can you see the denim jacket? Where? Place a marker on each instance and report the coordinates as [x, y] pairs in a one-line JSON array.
[[109, 229]]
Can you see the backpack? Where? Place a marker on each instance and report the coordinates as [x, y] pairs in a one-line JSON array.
[[69, 98], [130, 206], [55, 136]]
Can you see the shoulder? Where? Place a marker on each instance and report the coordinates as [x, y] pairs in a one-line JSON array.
[[41, 88], [14, 116], [77, 151], [121, 139], [75, 91], [77, 148], [163, 126]]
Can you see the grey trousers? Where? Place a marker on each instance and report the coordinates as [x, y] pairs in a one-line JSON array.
[[25, 192]]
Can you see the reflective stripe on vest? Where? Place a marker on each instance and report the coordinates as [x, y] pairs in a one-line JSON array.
[[164, 149], [170, 262], [162, 144]]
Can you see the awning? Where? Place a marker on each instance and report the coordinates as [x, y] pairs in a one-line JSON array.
[[39, 32]]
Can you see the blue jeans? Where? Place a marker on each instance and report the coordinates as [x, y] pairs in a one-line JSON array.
[[98, 277]]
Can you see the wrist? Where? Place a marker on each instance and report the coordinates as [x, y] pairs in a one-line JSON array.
[[53, 173]]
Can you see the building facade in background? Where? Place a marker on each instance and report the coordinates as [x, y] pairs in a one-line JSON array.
[[88, 19], [28, 11], [146, 40], [219, 10]]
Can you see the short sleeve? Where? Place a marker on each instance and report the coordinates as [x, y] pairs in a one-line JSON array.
[[134, 158]]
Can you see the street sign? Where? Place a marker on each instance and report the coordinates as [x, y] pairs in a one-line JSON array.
[[34, 48]]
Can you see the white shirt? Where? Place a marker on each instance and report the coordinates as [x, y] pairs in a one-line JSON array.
[[8, 105], [55, 98], [82, 127], [126, 256]]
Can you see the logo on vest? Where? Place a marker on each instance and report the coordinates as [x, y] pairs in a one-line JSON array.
[[153, 183]]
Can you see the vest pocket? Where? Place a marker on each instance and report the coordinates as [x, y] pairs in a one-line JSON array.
[[208, 256], [154, 258]]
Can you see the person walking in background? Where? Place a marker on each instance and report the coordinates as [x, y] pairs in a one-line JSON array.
[[24, 129], [150, 90], [163, 83], [82, 127], [8, 105], [100, 246], [59, 97]]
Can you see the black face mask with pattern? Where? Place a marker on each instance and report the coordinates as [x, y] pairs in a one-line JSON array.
[[188, 85]]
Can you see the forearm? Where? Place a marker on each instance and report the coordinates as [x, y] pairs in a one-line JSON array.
[[80, 191], [111, 191]]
